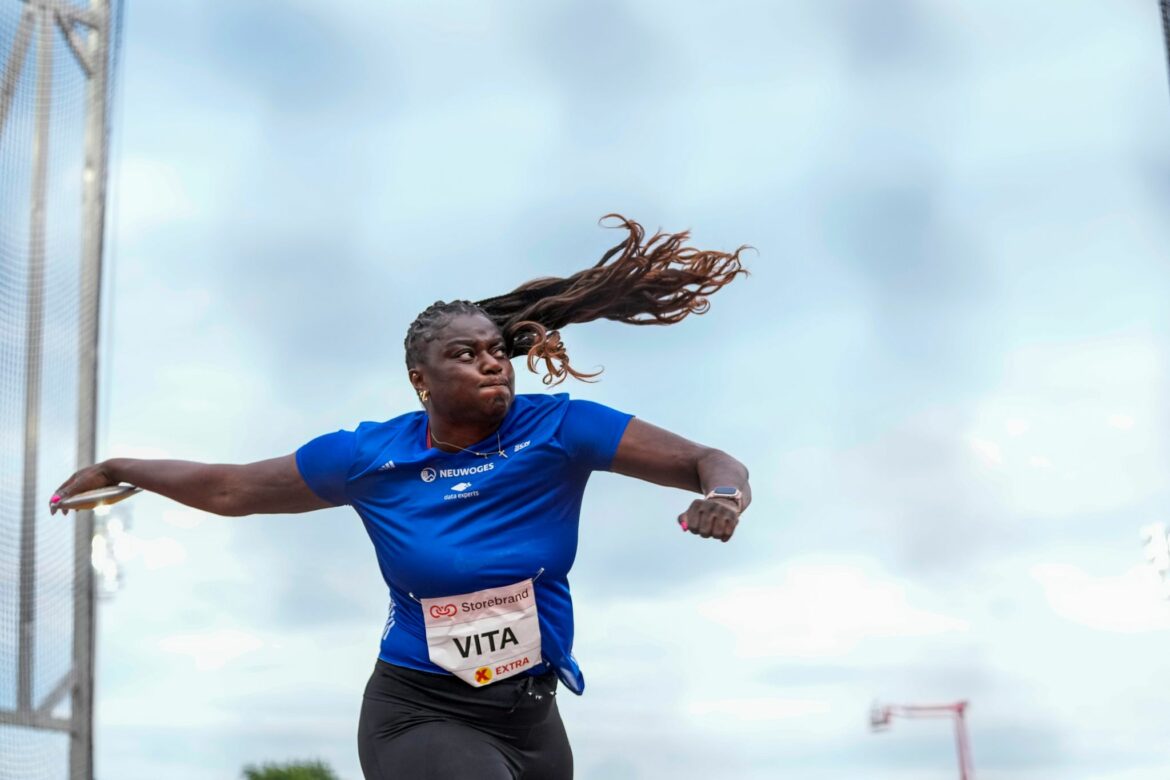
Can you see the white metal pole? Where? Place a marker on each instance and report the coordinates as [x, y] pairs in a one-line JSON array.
[[34, 338], [93, 206]]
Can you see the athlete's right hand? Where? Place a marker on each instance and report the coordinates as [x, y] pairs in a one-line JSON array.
[[88, 478], [710, 518]]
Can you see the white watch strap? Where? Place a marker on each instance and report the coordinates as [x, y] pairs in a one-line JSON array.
[[737, 498]]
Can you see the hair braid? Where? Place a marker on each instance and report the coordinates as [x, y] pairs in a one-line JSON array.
[[655, 281], [429, 322]]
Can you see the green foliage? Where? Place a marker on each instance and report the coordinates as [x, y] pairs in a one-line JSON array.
[[300, 770]]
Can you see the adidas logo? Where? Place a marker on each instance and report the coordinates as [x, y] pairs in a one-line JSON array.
[[386, 466]]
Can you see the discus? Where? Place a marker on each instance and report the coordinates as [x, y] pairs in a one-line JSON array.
[[101, 497]]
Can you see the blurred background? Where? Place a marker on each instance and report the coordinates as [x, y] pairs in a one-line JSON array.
[[947, 372]]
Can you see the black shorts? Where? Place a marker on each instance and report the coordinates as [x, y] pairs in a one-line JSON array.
[[421, 726]]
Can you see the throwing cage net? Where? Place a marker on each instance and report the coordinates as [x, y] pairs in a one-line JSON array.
[[56, 61]]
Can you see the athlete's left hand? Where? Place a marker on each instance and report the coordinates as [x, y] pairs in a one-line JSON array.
[[710, 518]]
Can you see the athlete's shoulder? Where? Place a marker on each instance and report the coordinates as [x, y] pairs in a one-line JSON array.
[[401, 435], [540, 401], [535, 408], [387, 428]]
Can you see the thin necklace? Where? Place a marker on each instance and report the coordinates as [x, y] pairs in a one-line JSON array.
[[499, 446]]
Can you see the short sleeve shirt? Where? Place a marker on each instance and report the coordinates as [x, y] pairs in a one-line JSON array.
[[449, 523]]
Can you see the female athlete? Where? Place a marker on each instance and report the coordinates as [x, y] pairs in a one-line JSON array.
[[473, 505]]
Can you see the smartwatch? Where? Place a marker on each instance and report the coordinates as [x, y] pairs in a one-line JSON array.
[[733, 493]]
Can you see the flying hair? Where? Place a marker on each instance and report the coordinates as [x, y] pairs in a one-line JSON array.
[[639, 281]]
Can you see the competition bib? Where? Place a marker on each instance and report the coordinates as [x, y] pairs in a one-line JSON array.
[[484, 636]]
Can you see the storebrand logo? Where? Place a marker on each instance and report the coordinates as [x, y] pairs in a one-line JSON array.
[[521, 446], [428, 474], [445, 611], [461, 487]]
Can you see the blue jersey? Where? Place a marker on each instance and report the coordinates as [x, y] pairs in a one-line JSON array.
[[446, 523]]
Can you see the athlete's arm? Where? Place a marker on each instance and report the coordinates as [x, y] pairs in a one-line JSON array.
[[664, 458], [265, 487]]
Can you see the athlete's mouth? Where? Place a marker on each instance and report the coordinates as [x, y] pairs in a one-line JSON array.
[[497, 383]]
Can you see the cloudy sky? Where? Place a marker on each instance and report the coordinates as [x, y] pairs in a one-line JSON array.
[[947, 371]]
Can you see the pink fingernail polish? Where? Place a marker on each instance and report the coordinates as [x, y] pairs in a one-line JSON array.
[[683, 525], [54, 499]]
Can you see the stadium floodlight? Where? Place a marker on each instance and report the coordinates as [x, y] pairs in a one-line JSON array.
[[1156, 543], [1157, 546], [1166, 27], [105, 566], [112, 549], [880, 719]]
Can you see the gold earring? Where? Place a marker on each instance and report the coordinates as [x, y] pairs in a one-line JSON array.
[[424, 395]]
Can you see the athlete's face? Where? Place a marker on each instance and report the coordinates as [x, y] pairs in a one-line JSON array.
[[467, 372]]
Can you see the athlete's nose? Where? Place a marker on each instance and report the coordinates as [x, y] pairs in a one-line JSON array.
[[491, 364]]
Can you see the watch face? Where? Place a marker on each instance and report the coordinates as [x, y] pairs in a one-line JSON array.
[[725, 491]]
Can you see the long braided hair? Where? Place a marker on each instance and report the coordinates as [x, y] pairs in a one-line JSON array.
[[655, 281]]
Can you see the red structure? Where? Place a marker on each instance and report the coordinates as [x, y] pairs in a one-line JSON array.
[[880, 717]]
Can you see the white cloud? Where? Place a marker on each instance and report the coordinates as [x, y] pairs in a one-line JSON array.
[[153, 192], [211, 650], [182, 517], [161, 551], [818, 610], [988, 451], [1127, 603], [756, 709], [1017, 427], [1121, 421], [1080, 454]]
